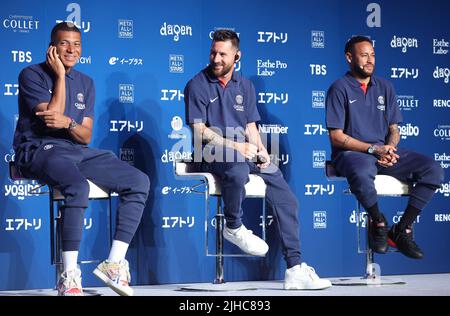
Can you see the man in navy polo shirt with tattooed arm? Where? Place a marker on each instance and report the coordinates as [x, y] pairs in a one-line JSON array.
[[362, 116], [221, 110], [56, 112]]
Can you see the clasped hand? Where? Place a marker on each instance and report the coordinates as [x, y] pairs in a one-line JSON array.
[[386, 155], [250, 151]]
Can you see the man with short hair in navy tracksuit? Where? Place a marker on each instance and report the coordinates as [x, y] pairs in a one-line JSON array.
[[221, 109], [56, 116], [362, 118]]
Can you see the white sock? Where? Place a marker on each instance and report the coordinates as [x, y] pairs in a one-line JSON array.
[[118, 251], [70, 259]]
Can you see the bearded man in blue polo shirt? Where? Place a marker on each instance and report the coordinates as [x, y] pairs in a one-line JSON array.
[[56, 117], [362, 118], [221, 110]]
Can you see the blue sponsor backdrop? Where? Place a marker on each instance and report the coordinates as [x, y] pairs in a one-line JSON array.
[[141, 54]]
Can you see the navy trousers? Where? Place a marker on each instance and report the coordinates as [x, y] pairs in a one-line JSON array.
[[66, 166], [360, 170], [284, 205]]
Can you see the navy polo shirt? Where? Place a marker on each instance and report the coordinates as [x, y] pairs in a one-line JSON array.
[[232, 106], [35, 87], [366, 117]]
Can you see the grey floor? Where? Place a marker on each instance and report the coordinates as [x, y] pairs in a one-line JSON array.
[[403, 285]]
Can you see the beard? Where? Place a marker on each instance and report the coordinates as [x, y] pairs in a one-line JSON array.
[[220, 73], [363, 73]]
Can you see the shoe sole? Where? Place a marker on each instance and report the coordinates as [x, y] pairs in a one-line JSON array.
[[296, 287], [119, 290], [381, 252], [393, 245], [261, 254], [68, 294]]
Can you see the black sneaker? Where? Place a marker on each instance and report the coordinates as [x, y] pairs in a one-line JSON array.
[[378, 235], [404, 242]]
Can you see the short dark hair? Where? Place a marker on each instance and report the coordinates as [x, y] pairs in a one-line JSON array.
[[354, 40], [63, 26], [226, 35]]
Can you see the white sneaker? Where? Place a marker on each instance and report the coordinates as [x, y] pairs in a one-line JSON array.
[[116, 276], [69, 283], [303, 277], [246, 241]]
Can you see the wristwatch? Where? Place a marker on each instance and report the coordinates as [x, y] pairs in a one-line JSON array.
[[371, 149], [72, 125]]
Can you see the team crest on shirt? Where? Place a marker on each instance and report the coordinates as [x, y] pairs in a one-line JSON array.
[[239, 103], [80, 105], [381, 105]]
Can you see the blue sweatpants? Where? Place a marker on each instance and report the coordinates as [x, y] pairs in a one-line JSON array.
[[284, 205], [66, 166], [360, 170]]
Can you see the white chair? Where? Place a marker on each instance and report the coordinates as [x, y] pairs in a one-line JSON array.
[[386, 186], [255, 188], [95, 193]]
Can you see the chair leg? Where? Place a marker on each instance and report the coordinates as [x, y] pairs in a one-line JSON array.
[[55, 237], [58, 249], [219, 243], [52, 234], [109, 215], [52, 229], [263, 220], [370, 273]]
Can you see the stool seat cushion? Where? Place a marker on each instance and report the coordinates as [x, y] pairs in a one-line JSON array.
[[254, 188], [95, 192], [384, 184], [387, 185]]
